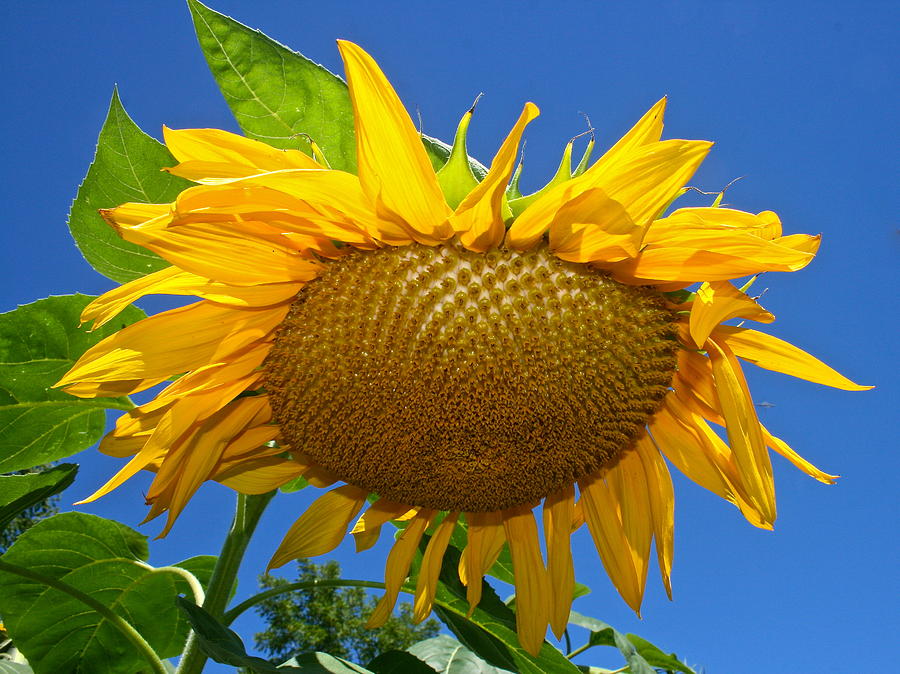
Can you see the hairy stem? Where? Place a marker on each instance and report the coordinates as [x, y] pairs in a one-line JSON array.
[[247, 513]]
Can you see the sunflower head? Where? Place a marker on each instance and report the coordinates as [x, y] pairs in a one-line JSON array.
[[460, 351]]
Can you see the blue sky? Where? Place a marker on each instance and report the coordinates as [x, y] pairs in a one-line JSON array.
[[802, 103]]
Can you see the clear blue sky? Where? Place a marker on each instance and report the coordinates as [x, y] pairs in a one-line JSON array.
[[800, 98]]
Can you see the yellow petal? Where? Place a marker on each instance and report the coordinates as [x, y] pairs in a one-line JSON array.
[[532, 584], [695, 449], [236, 253], [718, 302], [131, 214], [559, 510], [258, 475], [213, 153], [643, 183], [195, 460], [485, 539], [662, 506], [647, 130], [744, 433], [775, 354], [169, 343], [479, 217], [594, 227], [766, 225], [366, 530], [695, 255], [174, 281], [398, 562], [322, 527], [426, 585], [603, 515], [780, 446], [326, 204], [394, 169]]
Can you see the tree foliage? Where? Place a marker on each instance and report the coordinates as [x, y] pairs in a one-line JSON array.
[[331, 619]]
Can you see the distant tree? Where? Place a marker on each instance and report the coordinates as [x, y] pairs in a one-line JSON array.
[[331, 619]]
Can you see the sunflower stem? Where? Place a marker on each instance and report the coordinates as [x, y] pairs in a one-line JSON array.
[[233, 613], [578, 651], [247, 513]]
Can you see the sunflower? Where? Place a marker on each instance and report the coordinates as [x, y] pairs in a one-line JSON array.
[[448, 352]]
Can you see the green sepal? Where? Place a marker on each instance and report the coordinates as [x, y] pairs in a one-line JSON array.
[[563, 173], [585, 158], [456, 177]]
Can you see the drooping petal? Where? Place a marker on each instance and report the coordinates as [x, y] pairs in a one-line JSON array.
[[479, 218], [780, 446], [603, 515], [174, 281], [744, 433], [322, 527], [485, 539], [394, 169], [662, 506], [172, 342], [398, 563], [532, 584], [718, 302], [426, 585], [688, 442], [196, 459], [776, 354], [258, 475], [559, 511]]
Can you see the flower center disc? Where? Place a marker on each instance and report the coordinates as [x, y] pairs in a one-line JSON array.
[[454, 380]]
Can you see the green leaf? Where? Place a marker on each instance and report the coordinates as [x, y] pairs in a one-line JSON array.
[[491, 631], [399, 662], [296, 484], [126, 167], [39, 342], [20, 492], [605, 635], [446, 655], [220, 643], [656, 657], [322, 663], [277, 94], [100, 558]]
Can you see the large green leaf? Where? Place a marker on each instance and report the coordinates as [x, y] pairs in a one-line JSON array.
[[641, 655], [399, 662], [39, 342], [276, 94], [104, 560], [19, 492], [446, 655], [219, 642], [491, 631], [126, 167]]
